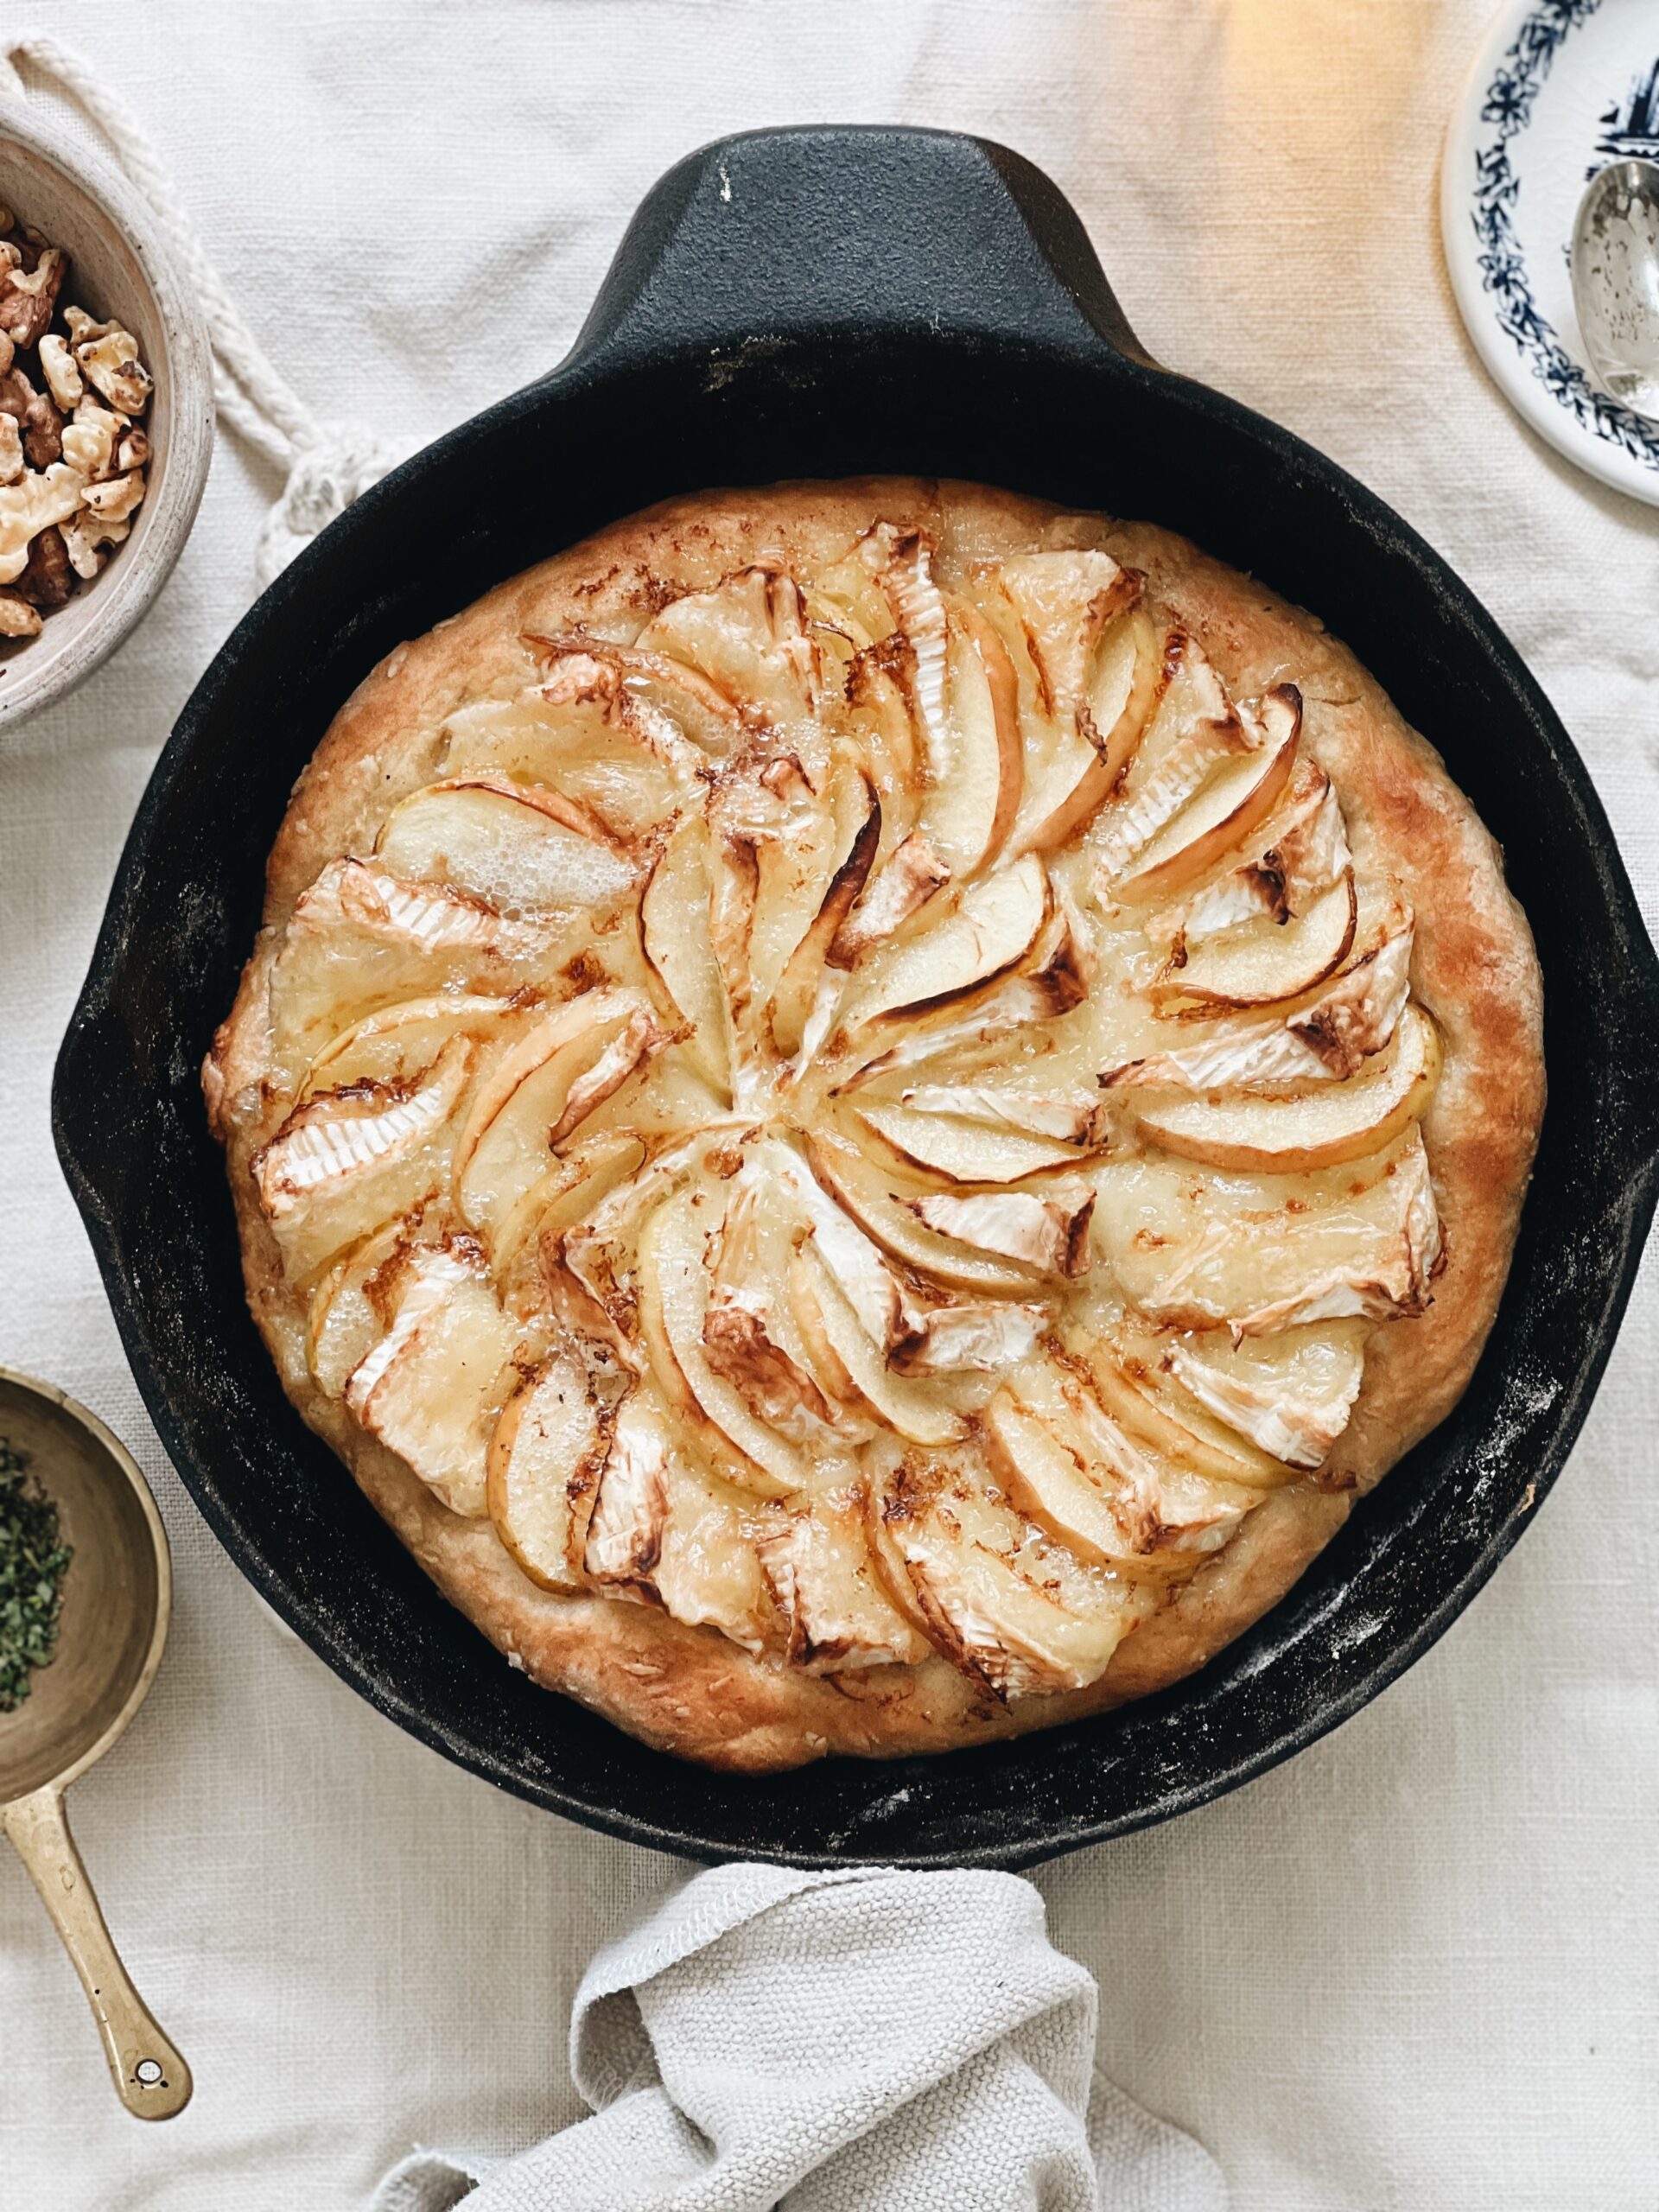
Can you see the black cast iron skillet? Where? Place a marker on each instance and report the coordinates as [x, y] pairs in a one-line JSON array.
[[816, 302]]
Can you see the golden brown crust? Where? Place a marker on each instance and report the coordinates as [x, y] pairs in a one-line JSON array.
[[690, 1691]]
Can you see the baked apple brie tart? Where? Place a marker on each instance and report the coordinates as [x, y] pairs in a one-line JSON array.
[[865, 1110]]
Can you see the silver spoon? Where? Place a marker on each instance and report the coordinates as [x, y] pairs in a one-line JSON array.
[[1616, 280]]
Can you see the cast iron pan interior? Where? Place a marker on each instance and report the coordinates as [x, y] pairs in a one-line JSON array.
[[815, 302]]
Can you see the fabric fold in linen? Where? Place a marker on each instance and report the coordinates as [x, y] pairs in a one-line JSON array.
[[862, 2040]]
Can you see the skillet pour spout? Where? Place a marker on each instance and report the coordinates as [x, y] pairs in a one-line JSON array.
[[821, 302]]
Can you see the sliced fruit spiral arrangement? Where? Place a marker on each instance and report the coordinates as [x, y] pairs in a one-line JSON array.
[[876, 1118]]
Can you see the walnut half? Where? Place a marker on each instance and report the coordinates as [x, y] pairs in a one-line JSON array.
[[29, 295], [73, 456], [107, 357]]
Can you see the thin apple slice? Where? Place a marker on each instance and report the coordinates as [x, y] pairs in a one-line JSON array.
[[674, 914], [1066, 602], [855, 1369], [1303, 851], [1130, 675], [625, 766], [665, 1531], [569, 1188], [1050, 985], [504, 1144], [1047, 1231], [1002, 1601], [1129, 1384], [859, 1271], [1073, 1119], [1045, 730], [978, 771], [1196, 727], [960, 1150], [1045, 1476], [340, 1138], [834, 1375], [1359, 1011], [522, 848], [629, 1513], [431, 1389], [350, 1308], [774, 840], [352, 895], [670, 696], [360, 938], [1325, 1039], [1108, 1492], [859, 836], [674, 1290], [1321, 1127], [1218, 814], [849, 592], [1362, 1244], [345, 1162], [837, 1616], [866, 1196], [1291, 1394], [1308, 847], [994, 927], [965, 698], [749, 637], [901, 563], [1020, 1003], [1091, 666], [746, 1338], [710, 1574], [396, 1042], [584, 696], [911, 875], [545, 1454], [741, 1349], [639, 1038], [1094, 1489], [734, 890], [878, 712], [1263, 962], [588, 1265], [1243, 894], [342, 1325]]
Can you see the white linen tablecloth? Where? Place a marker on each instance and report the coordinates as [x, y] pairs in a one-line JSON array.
[[1417, 1967]]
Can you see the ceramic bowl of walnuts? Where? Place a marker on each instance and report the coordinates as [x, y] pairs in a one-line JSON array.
[[106, 411]]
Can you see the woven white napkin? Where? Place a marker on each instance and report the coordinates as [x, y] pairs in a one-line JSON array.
[[859, 2041]]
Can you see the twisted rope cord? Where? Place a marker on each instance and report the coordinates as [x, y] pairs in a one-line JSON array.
[[326, 464]]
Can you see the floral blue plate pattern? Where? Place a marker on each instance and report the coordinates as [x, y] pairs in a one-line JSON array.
[[1559, 89]]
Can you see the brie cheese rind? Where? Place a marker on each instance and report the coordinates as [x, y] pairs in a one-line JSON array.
[[864, 1109]]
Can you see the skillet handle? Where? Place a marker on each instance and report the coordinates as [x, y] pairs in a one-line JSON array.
[[849, 232]]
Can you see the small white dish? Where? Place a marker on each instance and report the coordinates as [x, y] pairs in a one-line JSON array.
[[1559, 89], [120, 266]]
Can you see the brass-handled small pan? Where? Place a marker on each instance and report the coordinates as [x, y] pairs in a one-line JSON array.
[[118, 1595]]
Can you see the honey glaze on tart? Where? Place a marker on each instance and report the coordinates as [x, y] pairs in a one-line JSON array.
[[876, 1118]]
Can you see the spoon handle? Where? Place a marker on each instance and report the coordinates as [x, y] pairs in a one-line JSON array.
[[150, 2078]]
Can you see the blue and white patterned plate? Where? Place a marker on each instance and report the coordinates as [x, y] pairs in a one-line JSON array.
[[1560, 88]]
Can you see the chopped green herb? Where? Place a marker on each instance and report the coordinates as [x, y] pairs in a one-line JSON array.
[[32, 1563]]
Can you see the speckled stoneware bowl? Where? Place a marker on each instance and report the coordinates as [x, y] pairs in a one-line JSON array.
[[120, 266]]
